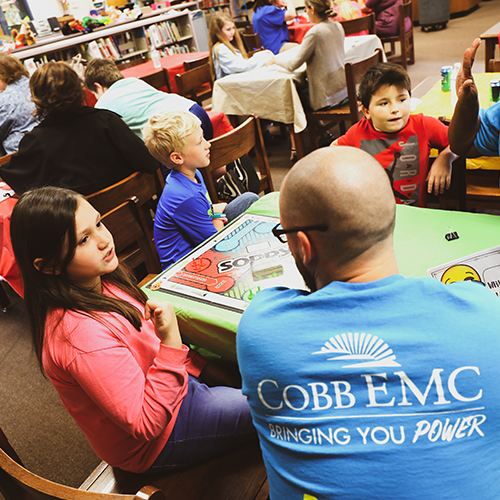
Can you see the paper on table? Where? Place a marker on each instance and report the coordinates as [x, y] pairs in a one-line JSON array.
[[483, 267], [5, 191]]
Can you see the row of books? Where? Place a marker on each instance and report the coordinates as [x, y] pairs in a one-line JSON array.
[[212, 10], [176, 49], [206, 4], [109, 48], [162, 34]]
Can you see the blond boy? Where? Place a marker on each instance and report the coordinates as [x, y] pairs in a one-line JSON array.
[[185, 216]]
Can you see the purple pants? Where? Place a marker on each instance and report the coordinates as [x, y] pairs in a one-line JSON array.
[[211, 420]]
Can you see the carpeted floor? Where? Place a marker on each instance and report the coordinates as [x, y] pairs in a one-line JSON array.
[[31, 413]]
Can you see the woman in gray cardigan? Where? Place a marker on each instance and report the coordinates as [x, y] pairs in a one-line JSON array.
[[323, 50]]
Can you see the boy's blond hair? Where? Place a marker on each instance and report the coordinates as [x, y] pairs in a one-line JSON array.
[[166, 133]]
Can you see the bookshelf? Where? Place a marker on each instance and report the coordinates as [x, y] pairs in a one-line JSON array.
[[169, 30]]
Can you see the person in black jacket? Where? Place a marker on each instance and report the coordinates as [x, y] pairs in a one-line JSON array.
[[74, 146]]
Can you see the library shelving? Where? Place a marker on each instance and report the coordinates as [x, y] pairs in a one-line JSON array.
[[170, 30]]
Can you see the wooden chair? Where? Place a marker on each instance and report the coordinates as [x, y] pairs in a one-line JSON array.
[[231, 146], [195, 63], [193, 83], [360, 24], [251, 41], [142, 185], [237, 474], [159, 80], [493, 66], [405, 39], [18, 483], [349, 112], [133, 244]]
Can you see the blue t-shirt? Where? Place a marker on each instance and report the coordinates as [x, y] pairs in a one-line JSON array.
[[375, 391], [269, 22], [183, 217], [487, 140]]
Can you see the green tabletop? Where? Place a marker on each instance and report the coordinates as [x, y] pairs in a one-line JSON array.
[[419, 242]]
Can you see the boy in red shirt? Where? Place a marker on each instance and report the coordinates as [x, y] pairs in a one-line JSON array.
[[401, 142]]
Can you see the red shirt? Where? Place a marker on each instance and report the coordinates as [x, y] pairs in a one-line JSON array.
[[404, 155], [123, 387]]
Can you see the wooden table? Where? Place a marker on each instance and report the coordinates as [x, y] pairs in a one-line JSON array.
[[171, 64], [271, 93], [297, 31], [490, 38], [438, 103]]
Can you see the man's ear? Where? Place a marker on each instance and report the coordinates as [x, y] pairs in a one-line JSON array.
[[306, 248], [176, 158], [365, 111], [41, 266]]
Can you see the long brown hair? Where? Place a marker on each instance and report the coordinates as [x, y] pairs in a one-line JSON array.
[[215, 37], [43, 227]]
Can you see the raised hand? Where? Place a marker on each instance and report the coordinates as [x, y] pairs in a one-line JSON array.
[[466, 87]]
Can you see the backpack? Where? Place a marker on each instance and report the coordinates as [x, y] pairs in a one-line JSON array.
[[240, 177]]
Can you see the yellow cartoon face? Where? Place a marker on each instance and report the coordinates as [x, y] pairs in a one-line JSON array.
[[460, 273]]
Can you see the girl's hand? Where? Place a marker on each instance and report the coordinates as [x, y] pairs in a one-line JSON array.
[[166, 328]]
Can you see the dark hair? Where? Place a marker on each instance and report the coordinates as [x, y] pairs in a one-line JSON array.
[[55, 86], [43, 227], [105, 72], [11, 69], [379, 75], [260, 3]]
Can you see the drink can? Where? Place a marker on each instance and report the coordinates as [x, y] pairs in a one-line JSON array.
[[495, 90], [446, 78]]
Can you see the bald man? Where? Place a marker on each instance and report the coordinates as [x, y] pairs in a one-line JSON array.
[[372, 385]]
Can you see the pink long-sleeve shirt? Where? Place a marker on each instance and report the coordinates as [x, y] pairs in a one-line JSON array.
[[123, 387]]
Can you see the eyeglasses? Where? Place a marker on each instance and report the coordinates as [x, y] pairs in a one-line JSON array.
[[281, 233]]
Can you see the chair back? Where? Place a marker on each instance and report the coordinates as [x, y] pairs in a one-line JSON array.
[[159, 80], [142, 185], [360, 24], [195, 84], [18, 483], [195, 63], [251, 41], [405, 38], [5, 159], [133, 244], [231, 146], [353, 74]]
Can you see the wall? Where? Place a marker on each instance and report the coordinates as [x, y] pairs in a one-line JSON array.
[[42, 9]]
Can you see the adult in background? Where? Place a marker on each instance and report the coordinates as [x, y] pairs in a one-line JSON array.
[[135, 100], [386, 16], [372, 385], [16, 107], [269, 21], [323, 50], [74, 146]]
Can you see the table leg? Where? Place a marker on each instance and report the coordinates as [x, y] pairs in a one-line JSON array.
[[489, 48], [299, 142]]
